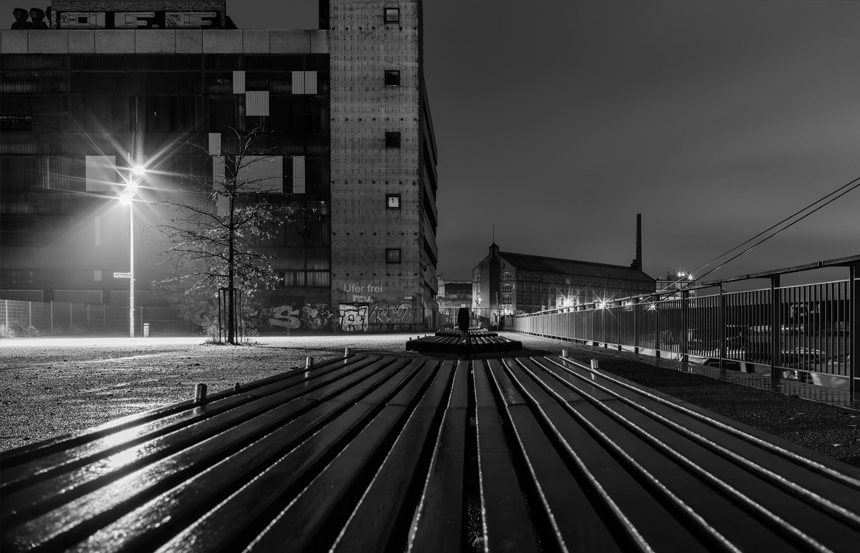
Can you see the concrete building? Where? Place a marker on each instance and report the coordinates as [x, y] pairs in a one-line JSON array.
[[454, 294], [105, 89], [674, 283], [510, 283]]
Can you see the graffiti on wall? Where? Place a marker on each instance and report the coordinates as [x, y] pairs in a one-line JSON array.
[[295, 317], [392, 313], [378, 317], [353, 318], [385, 316]]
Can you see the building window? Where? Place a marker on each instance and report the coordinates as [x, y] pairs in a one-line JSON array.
[[392, 77], [392, 255], [392, 15], [392, 140], [392, 201], [507, 276], [299, 175], [506, 288]]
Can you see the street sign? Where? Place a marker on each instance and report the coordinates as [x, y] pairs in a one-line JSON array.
[[122, 275]]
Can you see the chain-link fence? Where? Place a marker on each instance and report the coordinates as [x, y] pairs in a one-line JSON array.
[[26, 318]]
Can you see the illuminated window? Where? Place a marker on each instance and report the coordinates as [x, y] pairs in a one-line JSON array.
[[392, 77], [392, 15], [392, 201], [392, 255]]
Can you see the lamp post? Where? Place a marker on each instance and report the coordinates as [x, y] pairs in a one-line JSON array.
[[127, 197]]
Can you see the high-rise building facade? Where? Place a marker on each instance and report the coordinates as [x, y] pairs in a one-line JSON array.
[[345, 119]]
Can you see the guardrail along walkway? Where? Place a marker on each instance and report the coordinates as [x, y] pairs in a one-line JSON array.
[[374, 453]]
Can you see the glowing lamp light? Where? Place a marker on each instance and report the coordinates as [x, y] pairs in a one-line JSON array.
[[138, 170], [601, 305], [125, 199]]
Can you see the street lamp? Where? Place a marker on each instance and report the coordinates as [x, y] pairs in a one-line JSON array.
[[127, 198]]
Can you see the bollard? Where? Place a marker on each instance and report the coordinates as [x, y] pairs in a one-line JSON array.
[[308, 362], [564, 353], [146, 330], [594, 364], [200, 393], [236, 387], [347, 352]]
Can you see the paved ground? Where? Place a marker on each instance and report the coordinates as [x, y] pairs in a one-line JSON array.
[[60, 385]]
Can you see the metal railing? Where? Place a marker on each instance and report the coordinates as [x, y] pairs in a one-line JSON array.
[[27, 318], [801, 332]]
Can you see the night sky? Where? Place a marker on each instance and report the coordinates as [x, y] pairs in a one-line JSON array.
[[559, 121]]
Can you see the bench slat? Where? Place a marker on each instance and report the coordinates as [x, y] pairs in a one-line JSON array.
[[266, 497], [438, 519], [715, 439], [197, 496], [617, 490], [576, 523], [372, 524], [505, 515]]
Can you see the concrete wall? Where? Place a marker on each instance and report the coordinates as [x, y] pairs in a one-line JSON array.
[[362, 47], [150, 41]]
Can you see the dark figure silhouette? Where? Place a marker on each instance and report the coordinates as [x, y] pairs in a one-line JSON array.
[[36, 16], [463, 323], [21, 22]]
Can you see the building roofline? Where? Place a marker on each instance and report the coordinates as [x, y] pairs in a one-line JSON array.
[[502, 254]]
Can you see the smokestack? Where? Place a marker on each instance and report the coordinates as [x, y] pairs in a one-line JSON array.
[[637, 263]]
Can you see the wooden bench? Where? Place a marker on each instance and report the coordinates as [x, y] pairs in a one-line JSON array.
[[450, 343], [376, 454]]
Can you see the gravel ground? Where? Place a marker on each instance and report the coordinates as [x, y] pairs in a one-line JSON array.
[[53, 387]]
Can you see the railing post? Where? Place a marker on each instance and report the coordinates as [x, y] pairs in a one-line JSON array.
[[774, 330], [685, 323], [722, 330], [52, 316], [637, 308], [657, 327], [854, 330]]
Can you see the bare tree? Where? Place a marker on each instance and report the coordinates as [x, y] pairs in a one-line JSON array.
[[215, 235]]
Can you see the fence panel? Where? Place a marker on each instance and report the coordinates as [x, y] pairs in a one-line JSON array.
[[812, 328]]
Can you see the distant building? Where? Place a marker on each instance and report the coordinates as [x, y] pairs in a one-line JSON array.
[[674, 283], [510, 283], [454, 294], [114, 84]]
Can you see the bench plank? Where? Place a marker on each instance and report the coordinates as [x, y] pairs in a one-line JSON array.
[[505, 516], [437, 523], [372, 525]]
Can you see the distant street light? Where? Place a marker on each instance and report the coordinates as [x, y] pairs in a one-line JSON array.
[[126, 198]]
